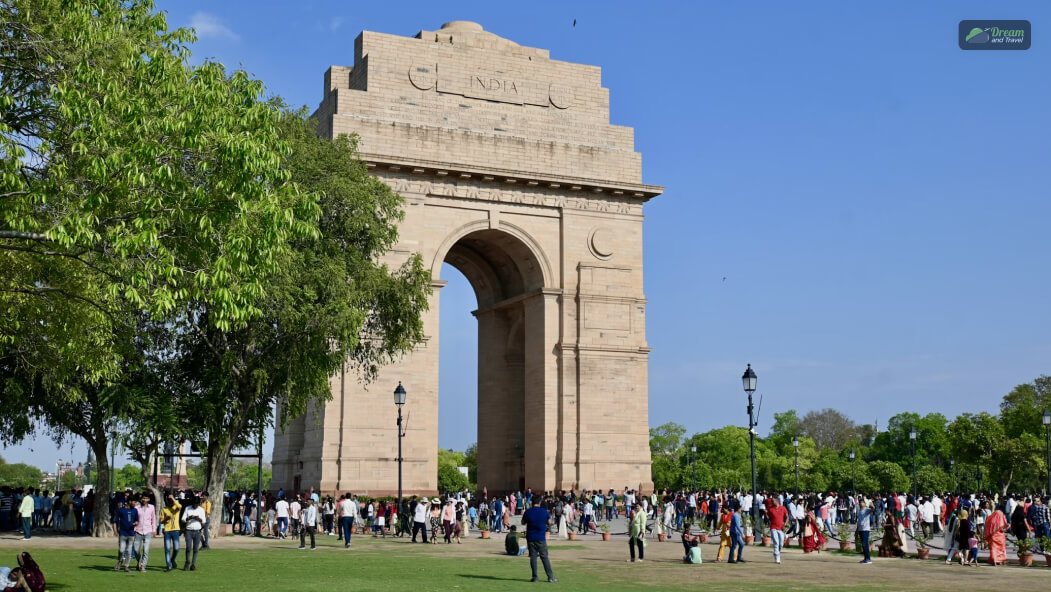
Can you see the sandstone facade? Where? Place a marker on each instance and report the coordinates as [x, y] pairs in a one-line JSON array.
[[511, 173]]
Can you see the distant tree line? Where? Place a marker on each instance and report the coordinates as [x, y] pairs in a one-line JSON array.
[[991, 452]]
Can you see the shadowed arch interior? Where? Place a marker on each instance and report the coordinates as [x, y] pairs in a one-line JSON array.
[[504, 272]]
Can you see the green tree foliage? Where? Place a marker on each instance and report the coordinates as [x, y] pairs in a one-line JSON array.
[[449, 476], [665, 444], [128, 476], [19, 475], [888, 476]]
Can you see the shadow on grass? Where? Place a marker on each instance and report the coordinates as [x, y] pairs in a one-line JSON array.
[[479, 577]]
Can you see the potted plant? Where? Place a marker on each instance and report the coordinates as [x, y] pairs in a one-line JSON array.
[[827, 535], [923, 551], [746, 525], [1025, 552], [605, 531], [703, 537], [768, 539], [843, 532], [571, 530], [483, 527], [1045, 544]]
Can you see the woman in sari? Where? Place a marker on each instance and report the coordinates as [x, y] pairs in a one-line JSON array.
[[724, 532], [995, 527], [813, 539], [892, 544]]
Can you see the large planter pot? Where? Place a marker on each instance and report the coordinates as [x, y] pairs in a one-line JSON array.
[[485, 534], [844, 545], [661, 537], [703, 538], [572, 536], [925, 553], [824, 546], [605, 536], [749, 539], [768, 541], [1047, 559], [1025, 559]]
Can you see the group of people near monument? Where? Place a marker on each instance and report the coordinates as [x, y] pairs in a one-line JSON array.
[[27, 509]]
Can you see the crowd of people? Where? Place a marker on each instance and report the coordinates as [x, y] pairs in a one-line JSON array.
[[968, 523]]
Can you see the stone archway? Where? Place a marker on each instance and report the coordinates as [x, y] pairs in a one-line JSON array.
[[512, 173]]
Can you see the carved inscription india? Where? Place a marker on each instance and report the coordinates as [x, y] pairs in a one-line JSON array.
[[491, 86]]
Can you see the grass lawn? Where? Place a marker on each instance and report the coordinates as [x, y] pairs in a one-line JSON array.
[[240, 564]]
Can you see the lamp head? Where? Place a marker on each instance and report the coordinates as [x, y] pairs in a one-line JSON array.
[[1047, 417], [399, 395], [749, 380], [912, 434], [795, 441]]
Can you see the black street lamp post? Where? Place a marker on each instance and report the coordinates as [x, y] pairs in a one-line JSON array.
[[955, 482], [978, 475], [853, 475], [749, 380], [915, 484], [693, 465], [795, 444], [399, 400], [1047, 446]]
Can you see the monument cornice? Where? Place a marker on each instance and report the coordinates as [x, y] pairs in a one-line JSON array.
[[444, 170]]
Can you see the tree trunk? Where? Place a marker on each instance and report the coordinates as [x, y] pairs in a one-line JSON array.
[[102, 528], [218, 466], [146, 472]]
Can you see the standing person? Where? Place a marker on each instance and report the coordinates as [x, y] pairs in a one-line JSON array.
[[865, 529], [145, 528], [194, 518], [962, 538], [637, 533], [170, 518], [328, 514], [294, 509], [309, 518], [124, 522], [995, 527], [536, 520], [26, 510], [892, 543], [777, 515], [436, 519], [448, 516], [498, 517], [736, 535]]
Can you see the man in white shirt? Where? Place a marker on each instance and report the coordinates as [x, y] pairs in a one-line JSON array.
[[937, 503], [293, 515], [585, 517], [419, 520], [281, 507], [347, 513], [927, 518], [912, 515], [308, 516]]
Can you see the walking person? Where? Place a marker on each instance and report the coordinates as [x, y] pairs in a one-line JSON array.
[[124, 523], [536, 520], [281, 507], [725, 542], [778, 517], [194, 518], [419, 520], [308, 515], [637, 533], [170, 519], [448, 516], [995, 527], [436, 519], [346, 518], [144, 531], [736, 535], [206, 505]]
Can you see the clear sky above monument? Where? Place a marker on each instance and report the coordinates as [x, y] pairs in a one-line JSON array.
[[853, 204]]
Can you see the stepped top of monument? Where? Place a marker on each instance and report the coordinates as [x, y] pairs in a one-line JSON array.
[[462, 99]]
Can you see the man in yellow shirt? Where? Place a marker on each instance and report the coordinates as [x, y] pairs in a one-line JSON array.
[[206, 504], [170, 519]]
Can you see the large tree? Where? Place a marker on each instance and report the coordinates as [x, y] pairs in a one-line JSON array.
[[830, 429], [332, 302]]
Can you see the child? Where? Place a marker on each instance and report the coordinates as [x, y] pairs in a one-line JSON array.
[[972, 556], [695, 553]]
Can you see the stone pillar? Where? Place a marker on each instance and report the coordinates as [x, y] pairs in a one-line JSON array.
[[541, 388]]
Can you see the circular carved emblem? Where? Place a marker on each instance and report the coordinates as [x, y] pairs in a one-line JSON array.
[[600, 243], [423, 76], [560, 96]]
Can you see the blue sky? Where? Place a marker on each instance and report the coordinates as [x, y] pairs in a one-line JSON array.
[[876, 198]]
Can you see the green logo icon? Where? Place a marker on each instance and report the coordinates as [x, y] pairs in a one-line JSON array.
[[978, 35]]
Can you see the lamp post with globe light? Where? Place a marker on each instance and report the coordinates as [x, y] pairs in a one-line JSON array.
[[853, 475], [399, 400], [915, 484], [1047, 446], [749, 379], [795, 444]]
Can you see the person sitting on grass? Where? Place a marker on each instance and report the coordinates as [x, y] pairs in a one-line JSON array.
[[694, 555], [511, 544], [687, 541]]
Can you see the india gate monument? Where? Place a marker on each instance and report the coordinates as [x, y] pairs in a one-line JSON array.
[[512, 173]]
